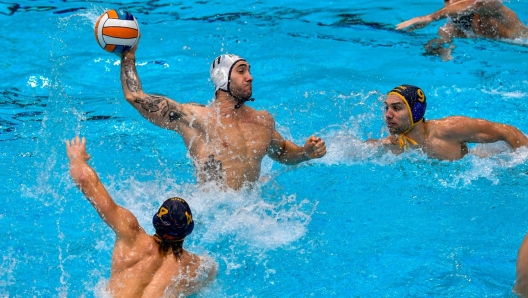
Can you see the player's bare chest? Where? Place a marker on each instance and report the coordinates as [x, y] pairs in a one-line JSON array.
[[253, 136]]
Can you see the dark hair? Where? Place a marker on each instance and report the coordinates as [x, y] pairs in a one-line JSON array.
[[166, 246]]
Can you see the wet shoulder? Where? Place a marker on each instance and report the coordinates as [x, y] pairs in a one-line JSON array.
[[446, 126], [262, 117], [449, 128], [201, 268]]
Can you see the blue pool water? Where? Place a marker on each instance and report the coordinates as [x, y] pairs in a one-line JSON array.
[[355, 223]]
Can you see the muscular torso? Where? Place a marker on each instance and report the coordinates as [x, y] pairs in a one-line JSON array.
[[445, 150], [141, 272], [228, 147]]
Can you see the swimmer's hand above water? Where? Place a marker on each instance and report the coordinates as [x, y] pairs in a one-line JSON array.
[[314, 147], [132, 51], [82, 174], [76, 149]]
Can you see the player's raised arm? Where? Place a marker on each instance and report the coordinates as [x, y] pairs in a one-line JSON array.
[[160, 110], [122, 221]]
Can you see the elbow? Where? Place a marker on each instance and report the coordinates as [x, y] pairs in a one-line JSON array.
[[129, 97]]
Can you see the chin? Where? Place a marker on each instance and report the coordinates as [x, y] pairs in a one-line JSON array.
[[245, 96], [395, 131]]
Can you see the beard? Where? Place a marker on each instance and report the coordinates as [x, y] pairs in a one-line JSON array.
[[396, 130], [242, 92], [241, 95]]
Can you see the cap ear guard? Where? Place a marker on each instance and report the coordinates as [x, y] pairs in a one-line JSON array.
[[220, 79], [221, 70]]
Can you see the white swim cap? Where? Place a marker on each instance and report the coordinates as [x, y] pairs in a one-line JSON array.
[[221, 70]]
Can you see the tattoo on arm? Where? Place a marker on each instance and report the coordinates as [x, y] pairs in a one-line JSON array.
[[166, 107], [130, 75], [173, 110]]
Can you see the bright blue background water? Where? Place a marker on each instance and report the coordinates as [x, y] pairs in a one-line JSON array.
[[355, 223]]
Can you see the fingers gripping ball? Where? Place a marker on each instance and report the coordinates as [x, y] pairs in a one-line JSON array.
[[116, 31]]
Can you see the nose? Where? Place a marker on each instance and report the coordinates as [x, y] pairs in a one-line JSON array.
[[388, 114], [249, 77]]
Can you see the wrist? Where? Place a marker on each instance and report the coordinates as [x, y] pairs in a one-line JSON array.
[[128, 55]]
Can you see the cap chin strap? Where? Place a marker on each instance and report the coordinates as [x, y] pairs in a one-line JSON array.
[[403, 139], [239, 100]]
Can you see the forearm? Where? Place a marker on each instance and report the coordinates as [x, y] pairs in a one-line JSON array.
[[515, 138], [291, 154], [87, 180], [129, 78], [491, 132], [81, 173]]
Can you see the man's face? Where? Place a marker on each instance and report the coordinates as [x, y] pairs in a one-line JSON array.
[[241, 79], [396, 115]]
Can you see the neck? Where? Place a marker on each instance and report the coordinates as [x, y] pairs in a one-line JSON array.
[[417, 132], [225, 103], [414, 136]]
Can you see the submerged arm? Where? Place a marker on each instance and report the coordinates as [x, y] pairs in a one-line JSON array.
[[122, 221]]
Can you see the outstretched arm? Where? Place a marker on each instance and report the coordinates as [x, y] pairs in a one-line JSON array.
[[122, 221], [287, 152], [452, 10], [471, 130], [442, 45], [160, 110]]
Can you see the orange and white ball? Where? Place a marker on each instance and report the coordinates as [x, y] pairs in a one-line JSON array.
[[116, 31]]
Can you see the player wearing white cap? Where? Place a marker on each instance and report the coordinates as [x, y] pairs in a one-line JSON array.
[[228, 139]]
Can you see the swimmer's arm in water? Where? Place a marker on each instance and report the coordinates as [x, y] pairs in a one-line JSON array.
[[287, 152], [470, 130], [452, 10], [121, 220], [437, 46], [160, 110], [389, 142], [375, 142]]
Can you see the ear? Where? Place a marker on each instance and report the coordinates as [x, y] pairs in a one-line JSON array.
[[220, 78]]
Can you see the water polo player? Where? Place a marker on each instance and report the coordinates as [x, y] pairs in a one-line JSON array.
[[227, 139], [143, 265], [444, 139], [469, 19]]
